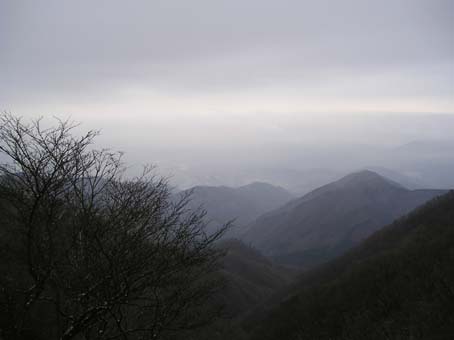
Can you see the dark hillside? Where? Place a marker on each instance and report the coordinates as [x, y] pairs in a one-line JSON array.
[[251, 278], [398, 284], [332, 219]]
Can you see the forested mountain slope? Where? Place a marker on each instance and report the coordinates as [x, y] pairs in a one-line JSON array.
[[251, 278], [331, 219], [398, 284]]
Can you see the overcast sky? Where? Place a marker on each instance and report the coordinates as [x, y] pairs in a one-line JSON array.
[[205, 72], [150, 57]]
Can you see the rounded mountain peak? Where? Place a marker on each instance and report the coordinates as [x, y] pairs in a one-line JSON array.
[[367, 177]]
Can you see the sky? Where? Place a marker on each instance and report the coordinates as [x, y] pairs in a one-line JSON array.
[[187, 75], [220, 57]]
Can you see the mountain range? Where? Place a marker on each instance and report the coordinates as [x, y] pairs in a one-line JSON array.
[[333, 218], [242, 205], [397, 284]]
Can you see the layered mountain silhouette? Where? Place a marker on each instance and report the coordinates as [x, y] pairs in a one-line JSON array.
[[397, 284], [333, 218], [243, 204]]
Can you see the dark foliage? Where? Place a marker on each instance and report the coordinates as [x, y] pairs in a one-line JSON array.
[[86, 253], [399, 284]]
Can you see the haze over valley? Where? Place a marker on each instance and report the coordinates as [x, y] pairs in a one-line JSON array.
[[227, 170]]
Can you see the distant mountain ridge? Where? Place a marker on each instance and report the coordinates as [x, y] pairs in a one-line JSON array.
[[333, 218], [243, 204]]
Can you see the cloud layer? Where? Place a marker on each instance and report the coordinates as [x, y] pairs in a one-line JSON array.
[[227, 56]]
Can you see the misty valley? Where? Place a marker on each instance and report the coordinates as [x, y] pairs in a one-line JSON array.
[[227, 170], [90, 252]]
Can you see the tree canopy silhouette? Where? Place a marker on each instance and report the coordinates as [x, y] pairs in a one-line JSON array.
[[90, 253]]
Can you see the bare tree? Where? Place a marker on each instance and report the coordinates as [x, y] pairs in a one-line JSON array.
[[88, 253]]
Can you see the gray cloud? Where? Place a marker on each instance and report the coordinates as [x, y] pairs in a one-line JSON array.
[[203, 46], [180, 81]]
